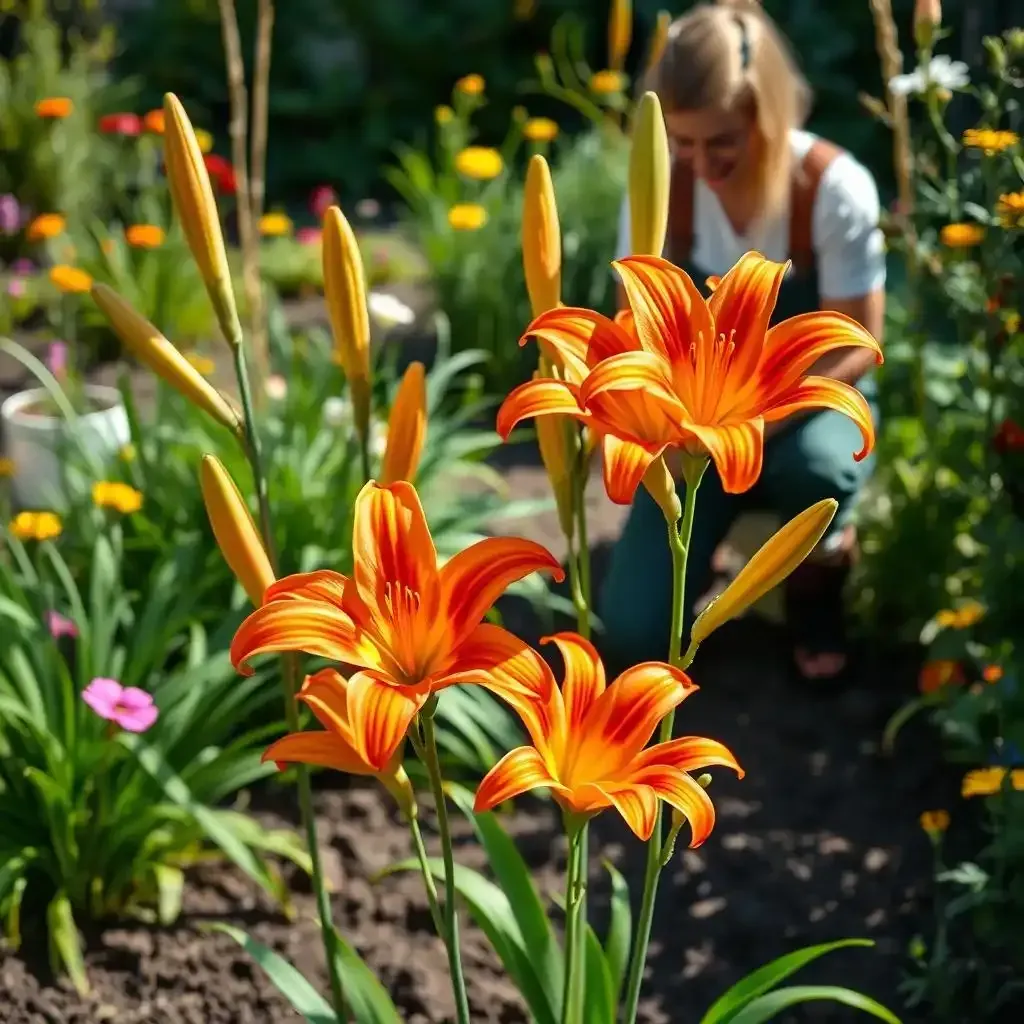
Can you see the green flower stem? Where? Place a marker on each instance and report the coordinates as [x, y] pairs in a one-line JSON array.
[[451, 917], [575, 925], [290, 677], [679, 544], [582, 541], [364, 455], [428, 878]]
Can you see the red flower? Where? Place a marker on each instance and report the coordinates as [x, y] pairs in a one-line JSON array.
[[320, 199], [222, 174], [1009, 437], [121, 124]]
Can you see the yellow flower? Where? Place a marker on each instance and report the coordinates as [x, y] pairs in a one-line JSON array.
[[274, 225], [234, 530], [204, 364], [479, 162], [963, 617], [116, 495], [443, 114], [467, 216], [990, 140], [70, 280], [540, 129], [650, 169], [145, 236], [989, 781], [407, 428], [56, 107], [46, 225], [6, 467], [620, 32], [36, 525], [471, 85], [205, 140], [934, 822], [962, 236], [1010, 210], [606, 82]]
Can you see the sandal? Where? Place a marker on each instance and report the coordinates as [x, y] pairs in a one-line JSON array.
[[816, 618]]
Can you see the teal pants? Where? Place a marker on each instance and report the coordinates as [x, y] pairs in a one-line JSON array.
[[810, 460]]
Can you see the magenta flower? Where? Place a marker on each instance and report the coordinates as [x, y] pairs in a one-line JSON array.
[[308, 236], [23, 267], [60, 625], [57, 358], [320, 199], [127, 706]]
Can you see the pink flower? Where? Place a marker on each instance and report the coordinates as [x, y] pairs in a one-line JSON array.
[[16, 288], [60, 625], [308, 236], [320, 199], [128, 706], [57, 358]]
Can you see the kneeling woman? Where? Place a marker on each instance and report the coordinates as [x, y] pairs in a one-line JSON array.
[[747, 177]]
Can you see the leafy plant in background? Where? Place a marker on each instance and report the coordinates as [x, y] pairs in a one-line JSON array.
[[118, 739]]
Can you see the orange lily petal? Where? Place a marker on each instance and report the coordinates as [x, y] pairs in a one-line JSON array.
[[392, 547], [687, 754], [379, 716], [685, 795], [407, 427], [518, 772], [581, 337], [540, 397], [319, 585], [669, 312], [325, 749], [825, 393], [625, 464], [300, 625], [584, 678], [792, 347], [742, 305], [738, 451], [637, 804], [325, 695], [632, 371], [477, 576]]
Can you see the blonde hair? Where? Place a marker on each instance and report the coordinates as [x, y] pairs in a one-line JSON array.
[[731, 55]]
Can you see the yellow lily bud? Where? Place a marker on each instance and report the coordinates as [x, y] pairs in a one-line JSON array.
[[775, 560], [557, 440], [659, 40], [542, 239], [345, 291], [152, 349], [620, 32], [662, 488], [233, 527], [649, 172], [407, 427], [193, 199]]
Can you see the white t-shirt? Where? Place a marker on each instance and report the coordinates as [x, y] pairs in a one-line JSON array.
[[848, 243]]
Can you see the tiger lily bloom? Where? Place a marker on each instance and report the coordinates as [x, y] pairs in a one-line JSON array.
[[682, 371], [364, 726], [589, 740], [400, 618]]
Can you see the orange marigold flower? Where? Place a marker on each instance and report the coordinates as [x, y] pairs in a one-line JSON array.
[[962, 236], [46, 225], [471, 85], [1010, 210], [467, 217], [963, 617], [540, 129], [56, 107], [479, 162], [989, 781], [934, 822], [145, 236], [36, 526], [116, 495], [680, 371], [936, 674], [402, 619], [992, 673], [589, 740], [154, 122], [990, 140], [70, 280], [607, 82]]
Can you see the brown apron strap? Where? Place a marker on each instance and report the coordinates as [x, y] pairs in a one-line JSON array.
[[680, 205], [806, 180]]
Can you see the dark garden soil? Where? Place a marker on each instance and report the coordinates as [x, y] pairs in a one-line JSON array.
[[820, 841]]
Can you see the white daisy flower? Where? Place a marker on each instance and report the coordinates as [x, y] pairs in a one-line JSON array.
[[942, 71]]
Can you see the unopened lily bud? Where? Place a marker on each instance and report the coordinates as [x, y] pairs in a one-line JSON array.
[[557, 440], [407, 427], [659, 39], [649, 173], [927, 18], [400, 787], [197, 211], [662, 488], [542, 240], [620, 32]]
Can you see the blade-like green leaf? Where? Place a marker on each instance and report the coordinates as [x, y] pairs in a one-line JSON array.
[[770, 1005], [65, 945], [765, 978], [304, 999], [599, 1002], [368, 999], [620, 929]]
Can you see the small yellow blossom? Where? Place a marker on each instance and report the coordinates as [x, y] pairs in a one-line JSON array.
[[144, 236], [479, 162], [46, 225], [540, 129], [935, 822], [274, 225], [55, 107], [1010, 210], [6, 467], [962, 236], [990, 140], [607, 82], [70, 280], [204, 364], [443, 114], [116, 495], [969, 613], [989, 781], [467, 216], [205, 140], [471, 85], [36, 525]]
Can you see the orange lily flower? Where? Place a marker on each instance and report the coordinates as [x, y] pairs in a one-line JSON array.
[[404, 621], [365, 722], [588, 746], [682, 371]]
